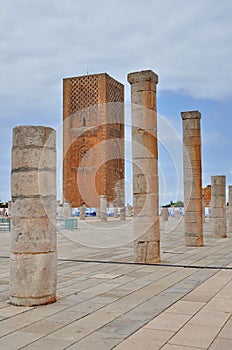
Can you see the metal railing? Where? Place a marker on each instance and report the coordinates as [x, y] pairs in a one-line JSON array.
[[4, 225], [67, 224]]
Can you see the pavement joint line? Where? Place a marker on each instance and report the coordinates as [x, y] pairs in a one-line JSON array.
[[140, 264], [145, 264]]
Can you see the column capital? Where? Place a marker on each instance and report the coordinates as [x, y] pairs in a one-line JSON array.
[[191, 115], [144, 75]]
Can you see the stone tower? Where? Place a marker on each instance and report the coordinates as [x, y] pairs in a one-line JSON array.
[[93, 140]]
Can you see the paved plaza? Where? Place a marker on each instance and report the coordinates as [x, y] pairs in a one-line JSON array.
[[106, 301]]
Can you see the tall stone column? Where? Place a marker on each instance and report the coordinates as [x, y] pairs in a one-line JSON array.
[[33, 264], [218, 200], [145, 166], [230, 210], [103, 208], [192, 178]]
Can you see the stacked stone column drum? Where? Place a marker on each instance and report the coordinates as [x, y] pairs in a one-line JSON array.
[[33, 265], [218, 213], [164, 214], [230, 210], [103, 208], [192, 178], [145, 166]]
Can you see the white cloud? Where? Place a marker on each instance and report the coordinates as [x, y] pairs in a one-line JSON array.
[[187, 43]]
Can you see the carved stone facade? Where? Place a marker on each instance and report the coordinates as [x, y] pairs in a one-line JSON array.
[[93, 140]]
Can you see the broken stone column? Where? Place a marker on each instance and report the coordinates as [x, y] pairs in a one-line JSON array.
[[122, 214], [67, 210], [177, 214], [33, 264], [129, 210], [164, 214], [60, 211], [192, 178], [145, 166], [82, 212], [218, 200], [115, 213], [230, 210], [103, 208]]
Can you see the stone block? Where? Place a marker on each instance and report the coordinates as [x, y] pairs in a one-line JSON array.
[[147, 229], [145, 166], [33, 278], [145, 184], [33, 235], [144, 145], [193, 205], [34, 136], [147, 252], [146, 205], [41, 158], [193, 216], [32, 183], [34, 208]]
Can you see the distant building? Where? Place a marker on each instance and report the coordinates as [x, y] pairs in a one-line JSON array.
[[93, 114], [206, 194]]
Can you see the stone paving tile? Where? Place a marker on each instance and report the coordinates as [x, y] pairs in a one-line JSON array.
[[221, 344], [179, 347], [186, 307], [168, 321], [195, 335], [103, 313], [210, 318], [226, 331], [145, 339]]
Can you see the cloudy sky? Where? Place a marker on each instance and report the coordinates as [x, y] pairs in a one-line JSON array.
[[187, 43]]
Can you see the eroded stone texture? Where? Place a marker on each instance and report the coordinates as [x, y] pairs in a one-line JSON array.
[[67, 210], [230, 210], [129, 210], [122, 214], [82, 212], [103, 208], [115, 212], [145, 166], [164, 214], [192, 178], [33, 262], [218, 202]]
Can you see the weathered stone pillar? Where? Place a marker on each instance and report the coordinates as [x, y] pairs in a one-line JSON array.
[[115, 212], [129, 211], [122, 214], [33, 264], [103, 208], [60, 211], [82, 212], [218, 200], [67, 210], [145, 166], [177, 214], [164, 214], [192, 178], [230, 210]]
